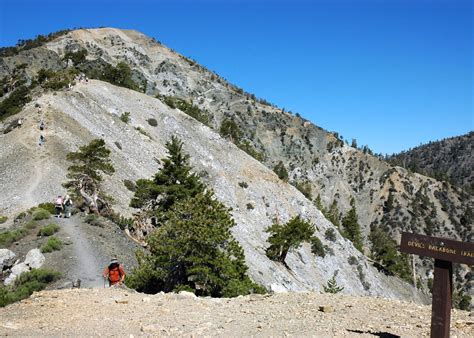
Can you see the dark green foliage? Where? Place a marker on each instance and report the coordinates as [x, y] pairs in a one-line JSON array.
[[152, 122], [76, 57], [351, 227], [10, 236], [229, 129], [56, 80], [3, 219], [49, 206], [14, 102], [125, 117], [53, 244], [250, 206], [186, 107], [330, 235], [249, 149], [130, 185], [385, 252], [48, 230], [281, 171], [288, 236], [26, 284], [243, 185], [331, 286], [173, 182], [352, 260], [85, 173], [317, 247], [121, 75], [194, 250], [464, 302], [39, 214]]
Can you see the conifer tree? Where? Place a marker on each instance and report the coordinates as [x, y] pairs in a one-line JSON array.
[[332, 286], [288, 236], [89, 163], [194, 250], [351, 227], [172, 183], [319, 204], [333, 214], [281, 171]]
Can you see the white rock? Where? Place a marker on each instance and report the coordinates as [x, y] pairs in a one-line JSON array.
[[34, 259], [16, 271], [278, 288], [5, 255], [186, 294]]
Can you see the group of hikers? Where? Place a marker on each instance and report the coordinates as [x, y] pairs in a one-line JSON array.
[[63, 206]]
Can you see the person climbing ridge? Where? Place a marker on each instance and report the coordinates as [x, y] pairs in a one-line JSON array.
[[114, 273], [58, 206], [42, 140], [67, 206]]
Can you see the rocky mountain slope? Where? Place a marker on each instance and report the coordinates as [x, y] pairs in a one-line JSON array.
[[125, 313], [451, 159], [388, 197], [93, 110]]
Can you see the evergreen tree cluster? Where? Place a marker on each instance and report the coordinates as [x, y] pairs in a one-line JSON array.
[[192, 247]]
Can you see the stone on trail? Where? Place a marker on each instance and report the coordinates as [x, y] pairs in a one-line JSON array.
[[5, 256], [16, 271]]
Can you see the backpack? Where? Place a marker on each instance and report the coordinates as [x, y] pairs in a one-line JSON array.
[[68, 202]]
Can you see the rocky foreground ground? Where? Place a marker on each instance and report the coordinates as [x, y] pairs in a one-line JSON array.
[[117, 312]]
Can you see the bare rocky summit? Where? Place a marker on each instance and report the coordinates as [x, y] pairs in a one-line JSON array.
[[116, 312]]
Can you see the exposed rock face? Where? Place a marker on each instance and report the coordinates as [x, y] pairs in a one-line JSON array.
[[93, 110], [386, 196], [6, 256]]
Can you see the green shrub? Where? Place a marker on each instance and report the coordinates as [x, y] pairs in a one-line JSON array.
[[11, 236], [332, 286], [304, 188], [330, 235], [288, 236], [125, 117], [95, 220], [53, 244], [48, 230], [250, 206], [14, 102], [130, 185], [352, 260], [30, 225], [243, 185], [39, 214], [281, 171], [47, 206], [20, 216], [153, 122], [76, 57], [142, 131], [3, 219], [121, 221], [26, 284], [187, 108], [317, 247]]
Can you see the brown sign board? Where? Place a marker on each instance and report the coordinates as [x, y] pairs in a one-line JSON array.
[[439, 248]]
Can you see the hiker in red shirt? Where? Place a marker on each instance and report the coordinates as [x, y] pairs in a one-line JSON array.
[[114, 273]]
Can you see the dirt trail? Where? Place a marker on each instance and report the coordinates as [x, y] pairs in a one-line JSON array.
[[123, 313], [86, 263]]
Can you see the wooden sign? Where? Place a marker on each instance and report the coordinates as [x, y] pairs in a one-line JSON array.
[[445, 252], [439, 248]]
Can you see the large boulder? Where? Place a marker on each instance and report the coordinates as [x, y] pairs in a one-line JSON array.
[[34, 259], [6, 256], [16, 271]]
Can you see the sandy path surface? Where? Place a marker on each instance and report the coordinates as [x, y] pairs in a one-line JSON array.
[[115, 312]]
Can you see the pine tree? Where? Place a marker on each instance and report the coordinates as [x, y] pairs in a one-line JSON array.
[[319, 204], [288, 236], [386, 253], [333, 214], [351, 227], [332, 286], [281, 171], [194, 250], [172, 183], [89, 163]]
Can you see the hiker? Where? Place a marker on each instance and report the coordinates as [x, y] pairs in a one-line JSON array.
[[67, 206], [20, 123], [42, 140], [58, 206], [42, 125], [114, 273]]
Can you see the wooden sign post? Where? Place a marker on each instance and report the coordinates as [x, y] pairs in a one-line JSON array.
[[445, 252]]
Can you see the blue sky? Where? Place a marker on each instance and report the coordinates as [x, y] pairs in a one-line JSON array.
[[391, 74]]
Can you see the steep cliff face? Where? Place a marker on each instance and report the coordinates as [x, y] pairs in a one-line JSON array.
[[93, 110], [388, 197]]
